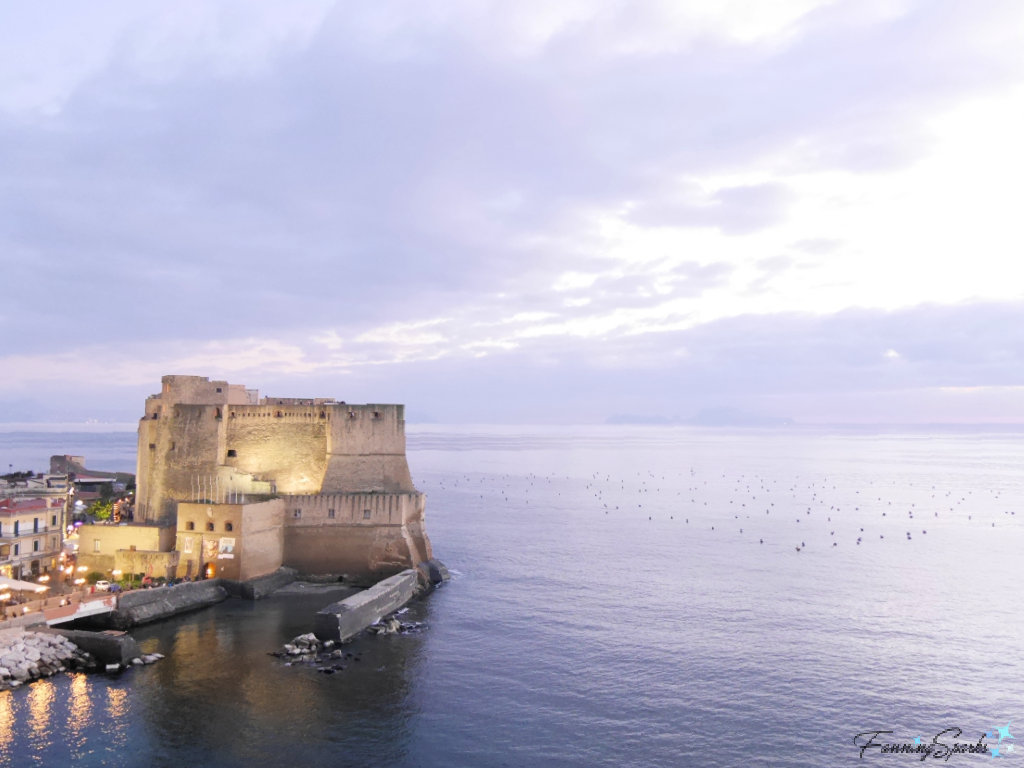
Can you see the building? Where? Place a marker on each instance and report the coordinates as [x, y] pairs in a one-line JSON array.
[[337, 473], [127, 548], [31, 535], [230, 541]]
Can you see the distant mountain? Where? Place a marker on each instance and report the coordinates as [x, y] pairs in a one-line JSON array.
[[709, 417]]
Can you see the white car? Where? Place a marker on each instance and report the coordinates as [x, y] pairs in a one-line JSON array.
[[102, 586]]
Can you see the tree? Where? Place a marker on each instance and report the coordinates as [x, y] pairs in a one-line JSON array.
[[101, 510]]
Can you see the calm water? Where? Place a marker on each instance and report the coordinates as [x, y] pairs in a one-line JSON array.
[[613, 605]]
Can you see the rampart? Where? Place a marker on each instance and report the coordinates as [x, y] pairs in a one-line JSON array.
[[372, 535]]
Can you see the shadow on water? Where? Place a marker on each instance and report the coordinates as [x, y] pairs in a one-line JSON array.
[[220, 699]]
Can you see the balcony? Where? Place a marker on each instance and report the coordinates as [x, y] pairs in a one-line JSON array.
[[8, 533]]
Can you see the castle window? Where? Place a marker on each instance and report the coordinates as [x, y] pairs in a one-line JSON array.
[[323, 414], [330, 513], [366, 514], [155, 416], [216, 413], [297, 513], [219, 390], [232, 453], [376, 414], [279, 414], [351, 414], [173, 445], [190, 526], [209, 526], [152, 446], [229, 527]]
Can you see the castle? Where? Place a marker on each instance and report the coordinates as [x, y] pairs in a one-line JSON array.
[[250, 483]]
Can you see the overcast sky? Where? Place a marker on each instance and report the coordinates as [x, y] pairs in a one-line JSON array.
[[528, 211]]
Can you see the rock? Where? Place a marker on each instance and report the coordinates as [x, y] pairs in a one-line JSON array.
[[137, 662], [113, 667], [5, 673], [337, 654]]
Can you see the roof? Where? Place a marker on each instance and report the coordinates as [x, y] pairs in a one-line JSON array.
[[14, 506]]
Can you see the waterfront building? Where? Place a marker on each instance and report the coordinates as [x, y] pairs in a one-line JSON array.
[[31, 535]]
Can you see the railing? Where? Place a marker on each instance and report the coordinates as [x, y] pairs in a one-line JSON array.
[[34, 606], [10, 534]]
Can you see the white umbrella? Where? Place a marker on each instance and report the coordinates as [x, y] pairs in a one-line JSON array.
[[21, 586]]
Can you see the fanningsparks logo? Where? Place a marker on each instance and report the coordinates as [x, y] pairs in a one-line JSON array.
[[942, 746]]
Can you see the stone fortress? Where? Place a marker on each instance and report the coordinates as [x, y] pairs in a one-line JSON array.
[[248, 484]]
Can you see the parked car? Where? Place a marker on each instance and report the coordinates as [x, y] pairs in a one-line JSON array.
[[102, 586]]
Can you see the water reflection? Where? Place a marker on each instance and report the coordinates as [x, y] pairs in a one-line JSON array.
[[40, 700], [7, 717]]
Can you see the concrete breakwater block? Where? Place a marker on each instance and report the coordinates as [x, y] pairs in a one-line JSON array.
[[106, 647], [342, 620], [146, 605]]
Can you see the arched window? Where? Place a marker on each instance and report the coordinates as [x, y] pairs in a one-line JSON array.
[[190, 526], [209, 526], [228, 527]]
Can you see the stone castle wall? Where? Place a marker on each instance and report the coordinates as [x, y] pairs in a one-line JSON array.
[[367, 536]]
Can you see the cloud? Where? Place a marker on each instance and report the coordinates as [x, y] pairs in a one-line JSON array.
[[339, 188], [733, 210]]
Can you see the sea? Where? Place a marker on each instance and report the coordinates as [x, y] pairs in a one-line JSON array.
[[620, 596]]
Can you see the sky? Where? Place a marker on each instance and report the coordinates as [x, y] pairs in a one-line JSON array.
[[536, 211]]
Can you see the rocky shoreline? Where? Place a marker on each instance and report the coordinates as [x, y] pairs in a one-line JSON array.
[[26, 656], [328, 656]]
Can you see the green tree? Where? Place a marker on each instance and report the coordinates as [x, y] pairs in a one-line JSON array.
[[101, 510]]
